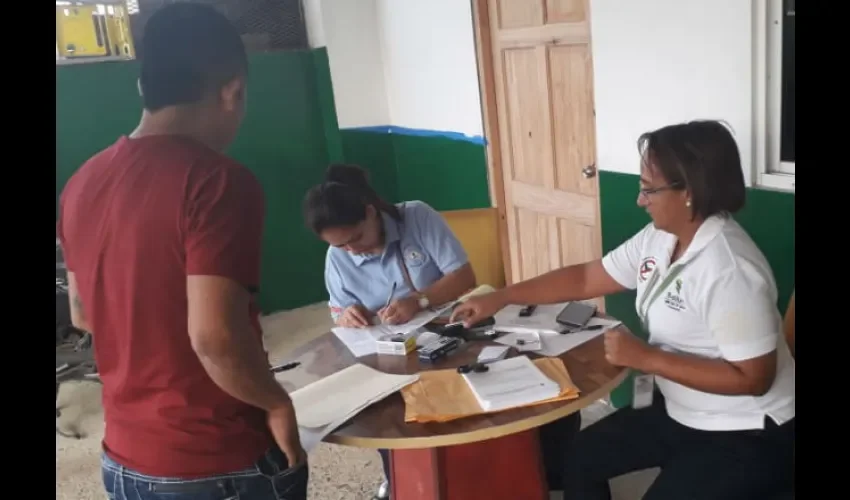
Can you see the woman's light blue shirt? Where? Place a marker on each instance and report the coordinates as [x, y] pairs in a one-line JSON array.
[[425, 241]]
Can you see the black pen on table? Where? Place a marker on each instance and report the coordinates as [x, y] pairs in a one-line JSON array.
[[285, 367]]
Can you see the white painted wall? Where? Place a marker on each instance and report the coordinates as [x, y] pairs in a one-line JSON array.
[[412, 63], [430, 68], [350, 31], [658, 62], [408, 63], [313, 18]]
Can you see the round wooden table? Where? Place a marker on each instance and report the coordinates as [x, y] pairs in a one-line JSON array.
[[492, 456]]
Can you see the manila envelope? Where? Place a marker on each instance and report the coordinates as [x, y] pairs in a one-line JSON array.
[[443, 395]]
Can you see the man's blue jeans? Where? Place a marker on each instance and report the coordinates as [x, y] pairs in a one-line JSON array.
[[268, 479]]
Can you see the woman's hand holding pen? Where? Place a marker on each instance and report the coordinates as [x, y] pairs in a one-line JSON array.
[[399, 311]]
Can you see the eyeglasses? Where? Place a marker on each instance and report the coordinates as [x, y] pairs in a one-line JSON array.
[[646, 192]]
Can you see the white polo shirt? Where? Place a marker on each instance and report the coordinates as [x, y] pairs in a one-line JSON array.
[[721, 304]]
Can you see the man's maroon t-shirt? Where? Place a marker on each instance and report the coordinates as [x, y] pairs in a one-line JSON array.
[[134, 222]]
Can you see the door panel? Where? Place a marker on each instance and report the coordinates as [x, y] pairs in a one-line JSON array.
[[542, 88]]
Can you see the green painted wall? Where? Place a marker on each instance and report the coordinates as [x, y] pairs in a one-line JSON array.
[[448, 174], [95, 103], [287, 139], [768, 217], [375, 153]]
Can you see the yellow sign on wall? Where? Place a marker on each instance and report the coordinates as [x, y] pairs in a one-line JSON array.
[[93, 30]]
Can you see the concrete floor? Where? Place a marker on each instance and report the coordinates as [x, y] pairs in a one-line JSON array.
[[336, 472]]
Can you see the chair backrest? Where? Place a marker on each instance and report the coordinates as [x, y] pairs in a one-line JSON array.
[[478, 232], [789, 325]]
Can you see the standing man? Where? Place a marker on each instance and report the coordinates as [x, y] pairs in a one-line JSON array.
[[162, 235]]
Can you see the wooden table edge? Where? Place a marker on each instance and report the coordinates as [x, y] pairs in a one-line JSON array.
[[403, 443]]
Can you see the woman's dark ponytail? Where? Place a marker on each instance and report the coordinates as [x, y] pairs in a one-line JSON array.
[[356, 177], [342, 199]]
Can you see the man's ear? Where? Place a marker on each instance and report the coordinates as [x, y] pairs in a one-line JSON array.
[[233, 94]]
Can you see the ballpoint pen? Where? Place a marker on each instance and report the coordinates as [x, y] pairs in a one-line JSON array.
[[390, 298], [285, 367], [389, 301]]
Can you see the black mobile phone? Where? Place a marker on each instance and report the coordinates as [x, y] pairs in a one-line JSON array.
[[450, 330], [576, 314]]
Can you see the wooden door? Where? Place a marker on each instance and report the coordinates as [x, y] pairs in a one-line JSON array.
[[537, 85]]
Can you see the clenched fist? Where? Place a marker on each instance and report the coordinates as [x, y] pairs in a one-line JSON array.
[[624, 349]]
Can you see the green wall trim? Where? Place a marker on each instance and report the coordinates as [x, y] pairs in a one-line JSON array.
[[768, 217], [447, 173], [95, 103], [375, 153], [284, 141]]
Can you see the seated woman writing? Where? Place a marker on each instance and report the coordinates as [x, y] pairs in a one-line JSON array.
[[404, 255], [720, 422]]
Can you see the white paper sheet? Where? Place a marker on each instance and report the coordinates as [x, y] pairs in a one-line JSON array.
[[532, 340], [492, 353], [511, 382], [555, 344], [543, 318], [361, 341], [344, 394], [310, 438], [340, 396], [543, 321]]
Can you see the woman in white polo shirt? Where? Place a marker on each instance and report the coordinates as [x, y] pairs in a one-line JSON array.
[[720, 422]]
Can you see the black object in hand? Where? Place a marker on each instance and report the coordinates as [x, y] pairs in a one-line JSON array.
[[458, 330], [527, 311]]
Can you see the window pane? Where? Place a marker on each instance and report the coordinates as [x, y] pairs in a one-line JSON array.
[[788, 153]]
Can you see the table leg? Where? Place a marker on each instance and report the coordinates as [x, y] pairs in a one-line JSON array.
[[505, 468]]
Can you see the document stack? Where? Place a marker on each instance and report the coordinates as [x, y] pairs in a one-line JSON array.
[[510, 383]]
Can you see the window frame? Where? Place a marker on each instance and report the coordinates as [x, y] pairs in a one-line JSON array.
[[770, 172]]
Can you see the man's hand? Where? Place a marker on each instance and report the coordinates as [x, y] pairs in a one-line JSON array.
[[284, 428], [355, 316], [624, 349], [400, 311], [475, 309]]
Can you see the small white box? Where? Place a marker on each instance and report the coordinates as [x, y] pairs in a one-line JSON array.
[[396, 345], [492, 353]]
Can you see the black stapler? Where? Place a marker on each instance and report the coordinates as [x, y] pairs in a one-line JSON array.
[[477, 331]]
